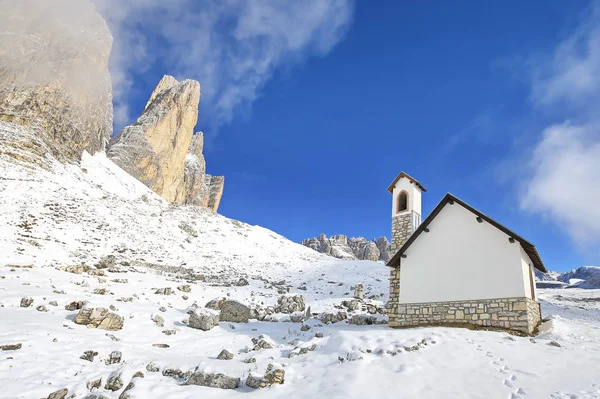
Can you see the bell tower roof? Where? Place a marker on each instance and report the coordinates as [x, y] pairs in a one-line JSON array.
[[412, 180]]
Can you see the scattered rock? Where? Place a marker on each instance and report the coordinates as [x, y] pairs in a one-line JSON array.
[[235, 312], [114, 357], [94, 384], [162, 309], [327, 318], [351, 305], [41, 308], [262, 342], [225, 355], [362, 319], [250, 360], [26, 302], [319, 335], [169, 332], [75, 305], [554, 343], [185, 288], [254, 380], [213, 380], [11, 347], [275, 375], [203, 319], [53, 303], [114, 382], [305, 327], [89, 355], [216, 304], [359, 291], [242, 282], [100, 291], [152, 367], [290, 304], [158, 320], [176, 373], [164, 291], [60, 394], [160, 345], [99, 318], [106, 262]]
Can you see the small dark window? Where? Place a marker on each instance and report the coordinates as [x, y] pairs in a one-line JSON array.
[[402, 202]]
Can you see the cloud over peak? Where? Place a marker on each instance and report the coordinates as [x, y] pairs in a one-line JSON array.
[[231, 46]]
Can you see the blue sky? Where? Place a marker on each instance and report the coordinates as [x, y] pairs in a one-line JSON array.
[[481, 99]]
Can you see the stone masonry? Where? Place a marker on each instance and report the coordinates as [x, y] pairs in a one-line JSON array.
[[401, 230], [518, 314]]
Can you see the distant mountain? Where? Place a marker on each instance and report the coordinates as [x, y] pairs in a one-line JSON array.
[[342, 247], [582, 277]]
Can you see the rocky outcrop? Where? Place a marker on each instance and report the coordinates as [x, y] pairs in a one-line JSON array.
[[54, 78], [351, 248], [201, 188], [161, 151]]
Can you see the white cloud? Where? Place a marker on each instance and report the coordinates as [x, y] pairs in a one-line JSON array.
[[563, 171], [565, 180], [231, 46]]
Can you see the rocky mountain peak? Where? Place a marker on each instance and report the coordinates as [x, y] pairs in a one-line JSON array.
[[342, 247], [161, 150]]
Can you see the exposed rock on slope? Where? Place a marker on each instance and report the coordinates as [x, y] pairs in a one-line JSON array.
[[160, 149], [54, 76], [351, 248]]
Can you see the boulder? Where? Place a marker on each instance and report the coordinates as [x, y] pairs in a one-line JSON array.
[[290, 304], [275, 375], [185, 288], [363, 319], [114, 382], [216, 304], [203, 319], [26, 302], [225, 355], [54, 77], [60, 394], [114, 357], [213, 380], [99, 318], [254, 380], [327, 318], [75, 305], [106, 262], [234, 311]]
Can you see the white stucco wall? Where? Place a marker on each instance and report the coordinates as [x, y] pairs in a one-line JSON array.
[[414, 196], [461, 259], [526, 266]]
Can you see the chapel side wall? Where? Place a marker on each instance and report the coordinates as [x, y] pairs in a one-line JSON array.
[[460, 259]]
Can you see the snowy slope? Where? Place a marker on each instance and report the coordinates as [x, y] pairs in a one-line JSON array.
[[71, 215]]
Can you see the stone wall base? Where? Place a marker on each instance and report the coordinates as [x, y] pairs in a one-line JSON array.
[[517, 314]]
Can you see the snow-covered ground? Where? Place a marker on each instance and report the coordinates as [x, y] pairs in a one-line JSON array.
[[78, 215]]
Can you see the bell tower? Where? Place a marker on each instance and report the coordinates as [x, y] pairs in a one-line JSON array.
[[406, 208]]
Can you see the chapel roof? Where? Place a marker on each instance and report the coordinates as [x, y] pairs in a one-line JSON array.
[[411, 179], [528, 247]]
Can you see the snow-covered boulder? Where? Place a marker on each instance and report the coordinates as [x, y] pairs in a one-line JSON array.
[[290, 304], [203, 319]]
